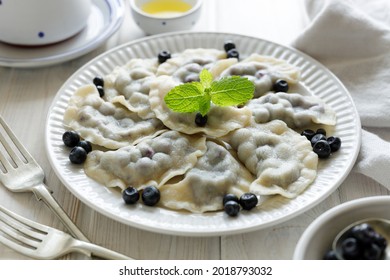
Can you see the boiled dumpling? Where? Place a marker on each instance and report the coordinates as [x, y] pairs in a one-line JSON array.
[[220, 121], [106, 124], [263, 71], [151, 162], [282, 159], [185, 66], [129, 85], [215, 174], [294, 109]]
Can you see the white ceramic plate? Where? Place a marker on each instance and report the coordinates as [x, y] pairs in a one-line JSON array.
[[105, 18], [315, 78]]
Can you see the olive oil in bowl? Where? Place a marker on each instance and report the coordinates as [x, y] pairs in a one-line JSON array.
[[166, 8]]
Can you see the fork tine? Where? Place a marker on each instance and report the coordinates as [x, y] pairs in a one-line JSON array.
[[16, 235], [15, 246], [38, 227], [27, 156]]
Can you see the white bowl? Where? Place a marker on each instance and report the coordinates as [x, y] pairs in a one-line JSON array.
[[41, 22], [318, 237], [160, 23]]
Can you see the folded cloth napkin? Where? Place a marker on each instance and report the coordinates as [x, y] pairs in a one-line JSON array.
[[352, 39]]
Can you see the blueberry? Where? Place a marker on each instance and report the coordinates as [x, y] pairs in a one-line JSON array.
[[321, 131], [308, 133], [330, 255], [248, 201], [130, 195], [372, 252], [280, 86], [233, 53], [316, 138], [86, 145], [351, 249], [163, 56], [380, 241], [334, 142], [229, 197], [77, 155], [322, 149], [150, 196], [232, 208], [229, 45], [100, 90], [200, 120], [364, 233], [70, 138], [98, 81]]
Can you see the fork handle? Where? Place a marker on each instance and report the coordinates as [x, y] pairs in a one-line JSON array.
[[42, 193], [93, 250]]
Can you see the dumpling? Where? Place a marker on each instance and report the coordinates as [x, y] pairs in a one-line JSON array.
[[263, 71], [106, 124], [282, 159], [221, 120], [185, 66], [151, 162], [129, 85], [215, 174], [294, 109]]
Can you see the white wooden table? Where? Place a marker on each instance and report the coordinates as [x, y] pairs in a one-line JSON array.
[[26, 94]]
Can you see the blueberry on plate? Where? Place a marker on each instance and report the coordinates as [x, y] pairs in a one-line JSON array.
[[150, 196], [130, 195], [316, 138], [280, 86], [200, 120], [70, 138], [334, 142], [322, 149], [98, 81], [308, 133], [351, 249], [229, 45], [232, 208], [248, 201], [233, 53], [163, 56], [100, 90], [229, 197], [86, 145], [77, 155]]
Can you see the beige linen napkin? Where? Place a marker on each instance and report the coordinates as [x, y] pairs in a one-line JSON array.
[[352, 39]]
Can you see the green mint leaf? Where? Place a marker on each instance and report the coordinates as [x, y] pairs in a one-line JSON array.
[[185, 98], [204, 104], [231, 91], [206, 78]]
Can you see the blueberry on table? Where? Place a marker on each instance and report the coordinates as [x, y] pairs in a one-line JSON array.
[[150, 196], [130, 195], [280, 86], [70, 138], [322, 149], [163, 56], [233, 53], [200, 120], [248, 201], [77, 155], [86, 145], [229, 45], [232, 208]]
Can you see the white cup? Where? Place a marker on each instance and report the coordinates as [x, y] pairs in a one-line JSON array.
[[41, 22]]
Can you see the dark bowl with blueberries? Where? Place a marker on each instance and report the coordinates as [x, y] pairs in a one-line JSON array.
[[362, 242]]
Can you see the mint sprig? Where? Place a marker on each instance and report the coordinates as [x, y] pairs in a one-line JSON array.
[[197, 96]]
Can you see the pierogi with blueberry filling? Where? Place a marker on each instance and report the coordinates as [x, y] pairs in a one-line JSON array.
[[185, 67], [282, 160], [296, 110], [129, 85], [263, 71], [107, 124], [220, 120], [203, 187], [152, 162]]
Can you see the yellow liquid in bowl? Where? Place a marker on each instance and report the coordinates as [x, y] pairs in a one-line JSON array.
[[166, 8]]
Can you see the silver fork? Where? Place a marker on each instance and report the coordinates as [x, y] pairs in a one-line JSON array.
[[21, 173], [46, 243]]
